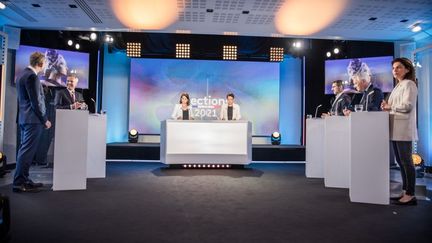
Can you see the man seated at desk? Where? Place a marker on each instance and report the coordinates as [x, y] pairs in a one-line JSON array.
[[69, 98], [230, 111]]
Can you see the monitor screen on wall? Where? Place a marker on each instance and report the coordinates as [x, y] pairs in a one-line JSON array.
[[58, 63], [156, 85], [380, 69]]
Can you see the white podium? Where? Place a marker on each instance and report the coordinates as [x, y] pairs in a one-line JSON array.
[[96, 151], [369, 154], [206, 142], [70, 150], [314, 167], [336, 152]]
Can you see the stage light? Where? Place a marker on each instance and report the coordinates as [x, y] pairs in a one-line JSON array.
[[70, 42], [275, 138], [133, 49], [133, 136], [328, 54], [2, 6], [276, 54], [184, 166], [297, 44], [109, 39], [77, 46], [416, 28], [417, 159], [229, 52], [93, 36], [336, 50], [182, 50]]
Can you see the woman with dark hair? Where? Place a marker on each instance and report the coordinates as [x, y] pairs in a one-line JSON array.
[[403, 126], [183, 110]]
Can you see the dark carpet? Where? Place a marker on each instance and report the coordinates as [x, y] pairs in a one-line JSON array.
[[140, 202]]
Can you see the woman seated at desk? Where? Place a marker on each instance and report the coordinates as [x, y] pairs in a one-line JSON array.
[[183, 111], [230, 111]]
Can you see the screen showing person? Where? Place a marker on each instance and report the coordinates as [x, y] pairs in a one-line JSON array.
[[183, 110], [345, 69], [57, 65], [230, 110], [69, 98]]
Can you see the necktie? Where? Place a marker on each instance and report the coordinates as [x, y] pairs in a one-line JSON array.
[[73, 96]]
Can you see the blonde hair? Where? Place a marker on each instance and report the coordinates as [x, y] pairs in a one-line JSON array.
[[36, 59]]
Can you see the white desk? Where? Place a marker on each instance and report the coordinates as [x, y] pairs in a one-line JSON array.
[[70, 150], [206, 142], [314, 148], [336, 152], [369, 154]]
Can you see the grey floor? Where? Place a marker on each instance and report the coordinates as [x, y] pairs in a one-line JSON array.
[[143, 202]]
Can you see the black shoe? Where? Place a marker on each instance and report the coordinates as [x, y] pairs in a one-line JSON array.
[[36, 184], [25, 188], [411, 202]]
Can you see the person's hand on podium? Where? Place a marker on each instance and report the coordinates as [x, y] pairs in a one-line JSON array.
[[75, 106], [47, 124], [385, 106], [323, 115], [346, 112]]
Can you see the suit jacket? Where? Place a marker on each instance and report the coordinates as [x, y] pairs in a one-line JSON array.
[[178, 112], [31, 99], [64, 100], [224, 112], [340, 102], [374, 100], [403, 115]]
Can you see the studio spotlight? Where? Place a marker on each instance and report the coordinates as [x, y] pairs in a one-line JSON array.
[[328, 54], [2, 6], [336, 50], [229, 53], [109, 39], [297, 44], [276, 54], [133, 136], [416, 28], [93, 36], [70, 42], [275, 138], [182, 50], [417, 159], [77, 46]]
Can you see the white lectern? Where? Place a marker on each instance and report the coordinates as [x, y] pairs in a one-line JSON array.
[[314, 148], [369, 153], [70, 150], [336, 152], [96, 151], [206, 142]]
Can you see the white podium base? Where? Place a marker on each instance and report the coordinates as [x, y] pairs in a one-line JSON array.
[[96, 152], [314, 167]]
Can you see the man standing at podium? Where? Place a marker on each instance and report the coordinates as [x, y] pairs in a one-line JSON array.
[[69, 98], [32, 119], [340, 101]]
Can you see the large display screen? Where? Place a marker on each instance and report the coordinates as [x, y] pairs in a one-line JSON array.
[[156, 85], [58, 63], [380, 69]]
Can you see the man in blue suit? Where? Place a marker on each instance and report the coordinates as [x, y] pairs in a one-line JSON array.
[[32, 120]]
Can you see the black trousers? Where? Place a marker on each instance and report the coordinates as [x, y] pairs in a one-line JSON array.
[[403, 155], [30, 137]]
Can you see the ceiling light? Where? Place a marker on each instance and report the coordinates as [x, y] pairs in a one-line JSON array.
[[93, 36], [77, 46], [328, 54], [416, 28], [70, 42], [336, 50]]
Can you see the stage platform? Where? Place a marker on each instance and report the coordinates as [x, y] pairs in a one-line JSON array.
[[151, 151]]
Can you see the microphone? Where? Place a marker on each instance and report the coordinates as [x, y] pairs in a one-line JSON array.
[[316, 110], [94, 104], [367, 99]]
